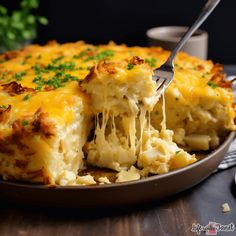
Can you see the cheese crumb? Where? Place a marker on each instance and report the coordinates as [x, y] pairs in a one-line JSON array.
[[104, 180], [85, 180], [225, 207], [66, 178], [128, 175]]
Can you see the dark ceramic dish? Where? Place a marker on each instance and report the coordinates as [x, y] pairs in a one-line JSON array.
[[113, 195]]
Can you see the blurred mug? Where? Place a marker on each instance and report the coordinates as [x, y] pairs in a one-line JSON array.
[[168, 36]]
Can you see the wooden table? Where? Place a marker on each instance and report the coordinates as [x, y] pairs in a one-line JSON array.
[[171, 217]]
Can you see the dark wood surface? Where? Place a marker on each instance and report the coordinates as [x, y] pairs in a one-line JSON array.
[[171, 217]]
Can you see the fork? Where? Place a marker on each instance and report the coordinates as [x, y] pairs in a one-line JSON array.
[[165, 74]]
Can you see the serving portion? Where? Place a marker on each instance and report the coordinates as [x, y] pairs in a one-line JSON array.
[[64, 107]]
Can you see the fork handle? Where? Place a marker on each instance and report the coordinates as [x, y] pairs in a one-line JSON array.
[[206, 11]]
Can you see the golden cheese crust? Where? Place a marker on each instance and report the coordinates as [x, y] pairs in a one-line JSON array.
[[41, 103]]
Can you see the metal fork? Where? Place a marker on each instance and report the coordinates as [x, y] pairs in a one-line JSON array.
[[165, 74]]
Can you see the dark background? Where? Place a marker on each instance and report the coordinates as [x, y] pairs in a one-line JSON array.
[[126, 21]]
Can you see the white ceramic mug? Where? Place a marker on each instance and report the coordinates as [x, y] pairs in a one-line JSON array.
[[168, 36]]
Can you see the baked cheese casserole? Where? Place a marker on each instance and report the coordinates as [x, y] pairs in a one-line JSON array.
[[64, 107]]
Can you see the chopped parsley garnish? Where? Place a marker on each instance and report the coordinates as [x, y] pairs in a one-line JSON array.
[[54, 82], [212, 84], [26, 97], [130, 66], [39, 56], [151, 61], [86, 52], [179, 67], [100, 56], [26, 58], [80, 55], [83, 53], [3, 107], [205, 74], [177, 152], [59, 70], [19, 75], [57, 81], [24, 122], [68, 77], [37, 68], [38, 79], [88, 55], [56, 60], [69, 65]]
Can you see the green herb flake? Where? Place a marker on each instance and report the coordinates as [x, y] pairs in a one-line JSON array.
[[37, 68], [19, 75], [100, 56], [24, 122], [212, 84], [26, 97], [28, 56], [57, 81], [83, 53], [151, 61], [130, 66], [39, 81], [156, 112], [54, 82], [177, 152], [60, 76], [3, 107], [69, 65], [38, 88], [204, 75], [56, 60], [80, 55]]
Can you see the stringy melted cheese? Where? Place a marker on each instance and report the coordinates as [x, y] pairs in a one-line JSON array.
[[122, 102], [117, 111]]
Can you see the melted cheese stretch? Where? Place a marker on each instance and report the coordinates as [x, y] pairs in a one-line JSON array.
[[110, 148], [122, 130]]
